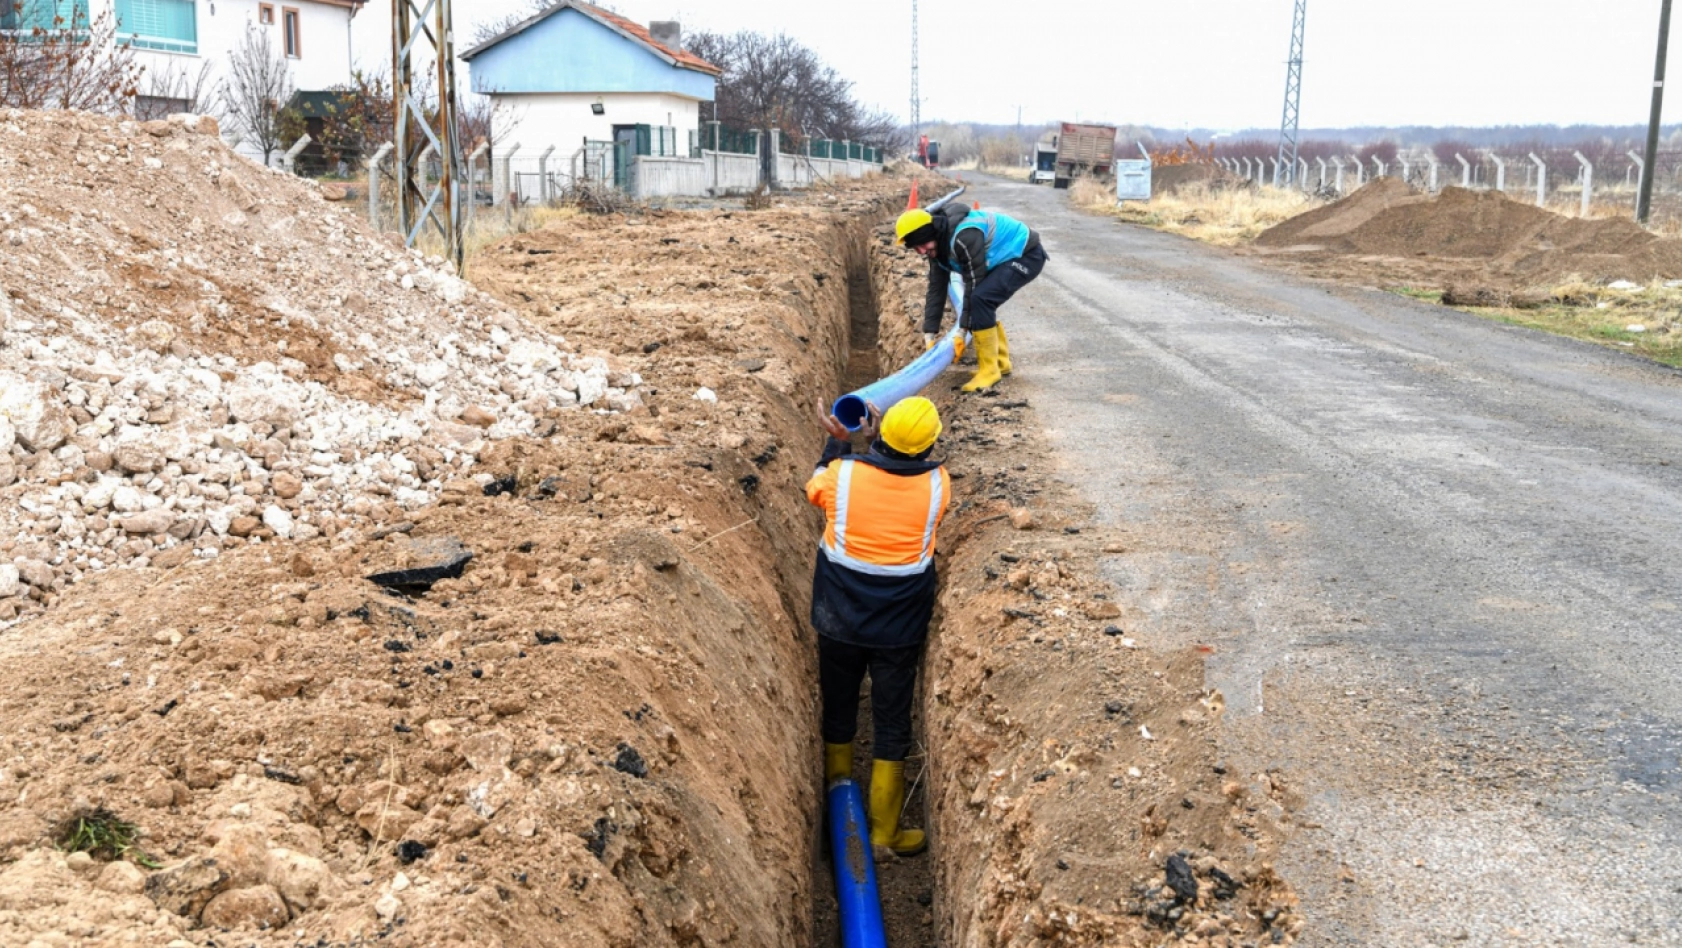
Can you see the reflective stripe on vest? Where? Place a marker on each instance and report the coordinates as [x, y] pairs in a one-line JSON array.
[[1005, 236], [837, 552]]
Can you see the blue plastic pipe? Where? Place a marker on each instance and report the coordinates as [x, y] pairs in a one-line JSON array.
[[852, 408], [855, 872]]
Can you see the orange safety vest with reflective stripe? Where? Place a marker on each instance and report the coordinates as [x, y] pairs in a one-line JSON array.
[[879, 523]]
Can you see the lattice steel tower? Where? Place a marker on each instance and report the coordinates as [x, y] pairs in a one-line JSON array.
[[1293, 95], [916, 101], [422, 39]]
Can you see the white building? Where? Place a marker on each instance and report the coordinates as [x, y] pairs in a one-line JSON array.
[[577, 73], [185, 45]]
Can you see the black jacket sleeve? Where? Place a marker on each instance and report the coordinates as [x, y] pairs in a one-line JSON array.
[[969, 256], [934, 301], [834, 448]]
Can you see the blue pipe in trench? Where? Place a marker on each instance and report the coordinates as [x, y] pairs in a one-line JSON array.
[[855, 871]]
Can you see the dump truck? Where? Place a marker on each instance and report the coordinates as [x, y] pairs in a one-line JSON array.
[[1045, 163], [1084, 150]]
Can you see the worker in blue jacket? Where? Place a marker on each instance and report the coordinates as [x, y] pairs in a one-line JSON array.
[[994, 254]]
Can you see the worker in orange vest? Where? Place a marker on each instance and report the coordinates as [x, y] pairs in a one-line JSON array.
[[873, 593]]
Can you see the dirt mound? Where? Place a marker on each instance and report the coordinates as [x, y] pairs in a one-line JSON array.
[[1481, 236], [1332, 225], [197, 353]]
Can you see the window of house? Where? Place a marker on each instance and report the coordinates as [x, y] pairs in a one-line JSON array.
[[26, 15], [148, 107], [167, 25], [289, 25], [265, 14]]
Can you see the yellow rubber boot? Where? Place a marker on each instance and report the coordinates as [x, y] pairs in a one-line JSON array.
[[887, 798], [837, 762], [987, 354], [1004, 350]]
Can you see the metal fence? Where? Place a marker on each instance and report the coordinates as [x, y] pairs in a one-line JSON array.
[[715, 137], [842, 151]]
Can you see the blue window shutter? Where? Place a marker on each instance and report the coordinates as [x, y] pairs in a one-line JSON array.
[[170, 25]]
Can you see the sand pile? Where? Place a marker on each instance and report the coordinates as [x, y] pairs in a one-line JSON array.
[[1513, 242], [197, 352]]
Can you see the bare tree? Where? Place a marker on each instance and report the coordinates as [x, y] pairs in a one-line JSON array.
[[51, 59], [775, 82], [257, 92]]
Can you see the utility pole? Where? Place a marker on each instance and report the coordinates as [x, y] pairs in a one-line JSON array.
[[423, 38], [1644, 199], [916, 100], [1293, 91]]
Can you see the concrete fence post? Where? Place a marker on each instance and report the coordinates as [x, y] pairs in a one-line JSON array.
[[1500, 172], [1402, 163], [1322, 163], [472, 180], [1588, 182], [1433, 160], [1465, 170], [1338, 164], [1302, 179], [543, 174], [374, 183], [1541, 180], [776, 154], [1246, 160], [1637, 168], [1381, 165], [758, 157], [289, 160], [1275, 162], [505, 185], [1360, 171]]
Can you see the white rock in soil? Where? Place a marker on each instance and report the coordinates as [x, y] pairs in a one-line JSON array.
[[10, 583], [707, 395], [8, 436], [39, 423], [154, 521], [1635, 327], [127, 499], [278, 520], [274, 405]]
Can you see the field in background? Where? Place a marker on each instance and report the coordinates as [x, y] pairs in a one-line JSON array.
[[1646, 320], [1210, 212]]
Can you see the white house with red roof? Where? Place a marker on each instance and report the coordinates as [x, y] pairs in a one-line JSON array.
[[576, 73]]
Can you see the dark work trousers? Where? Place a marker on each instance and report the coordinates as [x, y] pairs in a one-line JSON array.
[[1000, 284], [893, 679]]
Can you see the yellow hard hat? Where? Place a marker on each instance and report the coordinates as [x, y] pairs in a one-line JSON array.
[[911, 425], [910, 222]]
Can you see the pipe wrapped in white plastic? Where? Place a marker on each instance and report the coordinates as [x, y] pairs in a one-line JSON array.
[[851, 408]]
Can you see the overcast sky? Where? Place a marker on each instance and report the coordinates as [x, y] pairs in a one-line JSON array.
[[1198, 63]]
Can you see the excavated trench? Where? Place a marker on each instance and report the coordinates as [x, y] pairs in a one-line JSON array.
[[906, 886]]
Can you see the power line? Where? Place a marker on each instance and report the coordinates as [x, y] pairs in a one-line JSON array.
[[1293, 96]]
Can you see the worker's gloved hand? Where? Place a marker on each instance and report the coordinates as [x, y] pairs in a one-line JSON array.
[[928, 340], [957, 347]]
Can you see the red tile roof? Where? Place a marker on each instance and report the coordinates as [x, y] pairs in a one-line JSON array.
[[642, 35], [613, 21]]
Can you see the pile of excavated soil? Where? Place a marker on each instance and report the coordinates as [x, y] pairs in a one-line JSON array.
[[1481, 236], [199, 354], [601, 733]]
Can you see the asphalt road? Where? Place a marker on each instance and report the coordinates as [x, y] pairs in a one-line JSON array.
[[1439, 560]]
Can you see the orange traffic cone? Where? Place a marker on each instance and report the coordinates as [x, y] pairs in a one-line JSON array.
[[976, 205], [911, 205]]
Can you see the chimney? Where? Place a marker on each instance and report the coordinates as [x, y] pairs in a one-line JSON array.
[[668, 33]]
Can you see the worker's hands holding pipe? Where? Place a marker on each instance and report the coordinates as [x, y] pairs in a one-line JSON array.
[[832, 425]]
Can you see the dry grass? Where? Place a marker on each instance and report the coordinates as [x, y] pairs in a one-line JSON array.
[[1216, 215], [1013, 172], [1646, 320]]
